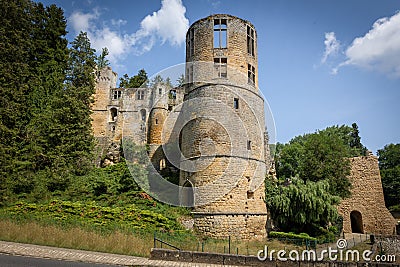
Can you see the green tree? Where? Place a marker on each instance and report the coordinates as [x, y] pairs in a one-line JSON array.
[[39, 58], [102, 60], [15, 79], [324, 158], [287, 158], [350, 138], [181, 80], [389, 164], [301, 206], [168, 82], [136, 81], [71, 110]]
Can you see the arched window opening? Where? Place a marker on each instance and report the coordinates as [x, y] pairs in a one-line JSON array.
[[356, 222], [187, 194]]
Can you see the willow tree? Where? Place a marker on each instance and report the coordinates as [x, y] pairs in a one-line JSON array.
[[299, 206]]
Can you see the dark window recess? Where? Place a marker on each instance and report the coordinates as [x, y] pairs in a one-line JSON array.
[[160, 91], [113, 114], [117, 94], [170, 107], [236, 103], [248, 145], [156, 121], [172, 94], [221, 67], [250, 195], [140, 95], [220, 33], [143, 114], [250, 40], [251, 74], [113, 128]]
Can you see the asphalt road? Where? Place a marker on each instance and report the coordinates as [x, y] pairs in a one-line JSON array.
[[21, 261]]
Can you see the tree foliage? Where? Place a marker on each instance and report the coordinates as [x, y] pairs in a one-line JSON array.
[[389, 164], [316, 166], [45, 95], [102, 60], [301, 206], [322, 155], [136, 81]]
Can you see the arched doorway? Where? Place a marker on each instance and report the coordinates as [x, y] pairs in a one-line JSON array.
[[187, 194], [356, 222]]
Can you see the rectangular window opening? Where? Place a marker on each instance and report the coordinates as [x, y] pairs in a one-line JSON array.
[[160, 91], [250, 41], [172, 94], [191, 42], [220, 33], [236, 103], [221, 67], [189, 73], [248, 145], [140, 95], [251, 74], [117, 94]]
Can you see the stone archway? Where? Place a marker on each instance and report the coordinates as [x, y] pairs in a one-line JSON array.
[[187, 194], [356, 222]]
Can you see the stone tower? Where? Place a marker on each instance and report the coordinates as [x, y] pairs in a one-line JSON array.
[[222, 140], [365, 211]]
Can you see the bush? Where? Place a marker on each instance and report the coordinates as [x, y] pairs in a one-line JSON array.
[[302, 236]]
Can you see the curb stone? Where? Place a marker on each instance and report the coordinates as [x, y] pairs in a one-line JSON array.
[[37, 251]]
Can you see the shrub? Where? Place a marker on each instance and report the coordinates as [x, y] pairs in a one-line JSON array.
[[303, 236]]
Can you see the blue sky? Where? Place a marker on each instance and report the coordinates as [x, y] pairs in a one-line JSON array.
[[321, 63]]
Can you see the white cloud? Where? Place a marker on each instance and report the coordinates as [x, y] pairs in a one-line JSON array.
[[118, 22], [331, 46], [379, 49], [168, 24], [81, 21]]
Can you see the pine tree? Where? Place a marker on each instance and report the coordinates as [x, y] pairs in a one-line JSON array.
[[49, 59], [15, 79], [101, 60], [72, 111]]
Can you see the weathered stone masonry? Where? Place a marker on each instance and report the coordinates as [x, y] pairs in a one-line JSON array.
[[218, 119], [222, 117], [224, 50], [365, 210]]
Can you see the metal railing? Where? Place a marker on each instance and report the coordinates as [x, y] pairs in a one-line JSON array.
[[163, 242]]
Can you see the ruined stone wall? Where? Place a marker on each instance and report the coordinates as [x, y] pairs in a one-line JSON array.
[[366, 200], [136, 113]]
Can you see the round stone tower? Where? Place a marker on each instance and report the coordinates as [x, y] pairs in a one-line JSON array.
[[222, 138]]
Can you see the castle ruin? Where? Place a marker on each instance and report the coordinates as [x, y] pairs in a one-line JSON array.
[[216, 119], [211, 133]]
